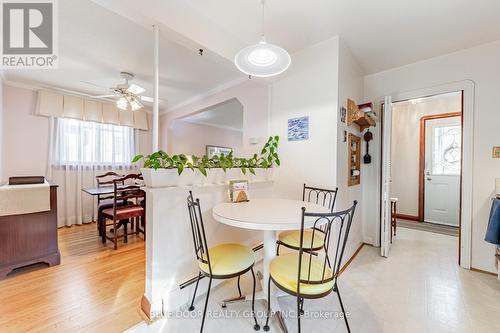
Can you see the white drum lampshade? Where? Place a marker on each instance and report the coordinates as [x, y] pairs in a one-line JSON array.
[[262, 60]]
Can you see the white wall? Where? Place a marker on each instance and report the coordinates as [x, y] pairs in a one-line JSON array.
[[405, 150], [309, 88], [190, 138], [26, 136], [350, 86], [320, 79], [252, 95], [479, 64]]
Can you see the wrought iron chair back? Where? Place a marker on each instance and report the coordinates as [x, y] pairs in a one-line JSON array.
[[342, 222], [198, 231], [320, 196]]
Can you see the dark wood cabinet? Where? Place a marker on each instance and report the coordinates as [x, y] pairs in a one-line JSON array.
[[27, 239]]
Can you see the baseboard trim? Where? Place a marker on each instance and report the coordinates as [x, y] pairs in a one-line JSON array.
[[484, 272], [408, 217], [145, 310], [352, 258]]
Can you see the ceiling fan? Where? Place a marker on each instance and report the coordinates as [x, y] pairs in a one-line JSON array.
[[128, 94]]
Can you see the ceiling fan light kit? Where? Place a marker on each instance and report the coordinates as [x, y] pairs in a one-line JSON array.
[[129, 94], [262, 59], [122, 104]]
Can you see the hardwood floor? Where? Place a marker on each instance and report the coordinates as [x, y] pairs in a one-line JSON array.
[[95, 289]]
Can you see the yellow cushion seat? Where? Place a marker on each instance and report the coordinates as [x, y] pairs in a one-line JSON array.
[[228, 259], [284, 271], [292, 239]]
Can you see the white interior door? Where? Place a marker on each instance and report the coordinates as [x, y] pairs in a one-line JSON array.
[[443, 149], [386, 179]]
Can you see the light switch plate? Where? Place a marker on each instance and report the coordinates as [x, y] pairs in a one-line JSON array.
[[496, 152]]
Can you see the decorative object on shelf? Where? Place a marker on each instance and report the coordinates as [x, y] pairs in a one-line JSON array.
[[298, 129], [367, 159], [362, 115], [238, 191], [218, 150], [160, 160], [496, 152], [354, 160], [343, 112], [262, 59]]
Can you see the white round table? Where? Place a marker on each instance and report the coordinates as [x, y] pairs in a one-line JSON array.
[[270, 216]]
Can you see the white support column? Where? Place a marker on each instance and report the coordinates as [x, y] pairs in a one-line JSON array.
[[156, 79]]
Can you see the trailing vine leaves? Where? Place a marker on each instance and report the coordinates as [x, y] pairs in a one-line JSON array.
[[161, 160]]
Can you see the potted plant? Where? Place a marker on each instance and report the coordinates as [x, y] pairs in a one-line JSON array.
[[163, 170]]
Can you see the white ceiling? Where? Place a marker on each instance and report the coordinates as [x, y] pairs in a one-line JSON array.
[[100, 38], [227, 115], [381, 34], [95, 44]]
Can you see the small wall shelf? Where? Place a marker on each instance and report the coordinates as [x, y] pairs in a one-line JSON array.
[[354, 160], [356, 114]]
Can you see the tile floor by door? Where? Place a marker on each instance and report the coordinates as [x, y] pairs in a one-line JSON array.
[[419, 288]]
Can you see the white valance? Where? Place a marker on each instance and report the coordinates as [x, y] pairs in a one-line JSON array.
[[52, 104]]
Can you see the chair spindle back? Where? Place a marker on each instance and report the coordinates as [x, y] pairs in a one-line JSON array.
[[106, 179], [342, 222], [198, 231], [320, 196], [124, 191]]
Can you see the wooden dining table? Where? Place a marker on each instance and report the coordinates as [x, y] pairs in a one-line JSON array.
[[102, 190]]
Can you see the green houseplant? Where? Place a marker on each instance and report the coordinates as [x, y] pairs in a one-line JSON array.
[[160, 164]]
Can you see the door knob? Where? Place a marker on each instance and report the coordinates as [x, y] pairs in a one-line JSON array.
[[429, 178]]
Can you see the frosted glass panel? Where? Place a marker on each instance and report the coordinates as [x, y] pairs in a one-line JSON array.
[[447, 150]]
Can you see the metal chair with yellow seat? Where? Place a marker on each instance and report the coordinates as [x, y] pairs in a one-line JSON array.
[[223, 261], [317, 278], [291, 238]]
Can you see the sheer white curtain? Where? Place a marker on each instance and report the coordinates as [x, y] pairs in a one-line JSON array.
[[79, 151]]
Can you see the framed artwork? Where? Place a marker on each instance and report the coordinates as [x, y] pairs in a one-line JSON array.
[[218, 150], [298, 129], [238, 190]]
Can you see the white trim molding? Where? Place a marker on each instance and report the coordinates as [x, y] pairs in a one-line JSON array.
[[206, 94], [468, 89]]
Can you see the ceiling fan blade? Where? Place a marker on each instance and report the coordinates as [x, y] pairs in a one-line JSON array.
[[95, 85], [147, 99], [135, 89], [104, 96]]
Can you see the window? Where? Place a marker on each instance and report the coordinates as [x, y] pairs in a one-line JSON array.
[[87, 143], [447, 150]]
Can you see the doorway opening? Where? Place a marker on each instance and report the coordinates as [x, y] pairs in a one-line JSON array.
[[426, 139]]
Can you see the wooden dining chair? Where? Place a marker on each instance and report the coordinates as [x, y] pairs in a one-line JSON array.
[[291, 239], [105, 201], [306, 276], [223, 261], [123, 191]]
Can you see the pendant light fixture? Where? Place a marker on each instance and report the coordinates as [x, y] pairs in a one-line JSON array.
[[262, 59]]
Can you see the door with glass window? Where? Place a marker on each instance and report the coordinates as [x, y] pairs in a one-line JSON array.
[[443, 138]]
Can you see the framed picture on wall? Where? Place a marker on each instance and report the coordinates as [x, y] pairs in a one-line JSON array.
[[298, 129], [218, 150]]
